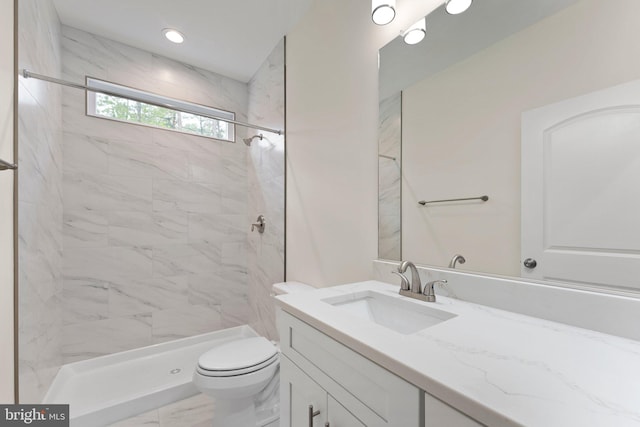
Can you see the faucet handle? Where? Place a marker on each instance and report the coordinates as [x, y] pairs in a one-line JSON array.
[[404, 284], [428, 290], [429, 285]]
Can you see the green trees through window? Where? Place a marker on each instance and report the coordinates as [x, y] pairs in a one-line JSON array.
[[128, 110]]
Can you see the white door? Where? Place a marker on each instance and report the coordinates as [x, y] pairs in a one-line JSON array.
[[581, 189]]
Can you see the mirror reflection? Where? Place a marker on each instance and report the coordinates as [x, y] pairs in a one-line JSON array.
[[504, 100]]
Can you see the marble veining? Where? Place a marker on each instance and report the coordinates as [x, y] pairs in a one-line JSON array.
[[146, 295], [40, 206], [607, 313], [132, 228], [194, 258], [86, 299], [265, 177], [184, 321], [84, 340], [155, 222], [500, 368], [140, 235]]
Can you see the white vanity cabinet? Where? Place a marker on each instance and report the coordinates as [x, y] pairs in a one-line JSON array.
[[439, 414], [301, 395], [348, 389]]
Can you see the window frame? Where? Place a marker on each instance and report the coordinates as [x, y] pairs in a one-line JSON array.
[[95, 85]]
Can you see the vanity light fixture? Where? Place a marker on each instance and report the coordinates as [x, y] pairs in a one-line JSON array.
[[416, 32], [172, 35], [383, 11], [454, 7]]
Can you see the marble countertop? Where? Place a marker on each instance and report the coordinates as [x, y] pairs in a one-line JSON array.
[[498, 367]]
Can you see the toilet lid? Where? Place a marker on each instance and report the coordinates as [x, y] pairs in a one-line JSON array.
[[238, 354]]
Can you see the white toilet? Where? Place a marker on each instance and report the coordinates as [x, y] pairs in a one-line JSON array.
[[234, 374], [243, 377]]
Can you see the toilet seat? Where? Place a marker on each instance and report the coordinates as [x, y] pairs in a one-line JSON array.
[[238, 357], [236, 372]]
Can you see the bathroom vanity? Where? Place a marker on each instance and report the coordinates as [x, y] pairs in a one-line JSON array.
[[361, 355], [320, 374]]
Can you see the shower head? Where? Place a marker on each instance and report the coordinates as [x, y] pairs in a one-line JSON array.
[[247, 141]]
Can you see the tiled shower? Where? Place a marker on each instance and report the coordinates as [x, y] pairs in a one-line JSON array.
[[129, 235]]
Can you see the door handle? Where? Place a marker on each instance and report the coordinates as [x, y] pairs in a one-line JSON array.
[[530, 263]]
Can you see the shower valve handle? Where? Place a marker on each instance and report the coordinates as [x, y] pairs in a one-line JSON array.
[[259, 224]]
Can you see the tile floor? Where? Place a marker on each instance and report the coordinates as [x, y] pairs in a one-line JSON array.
[[196, 411]]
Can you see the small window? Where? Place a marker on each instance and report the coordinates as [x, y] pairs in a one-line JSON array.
[[130, 105]]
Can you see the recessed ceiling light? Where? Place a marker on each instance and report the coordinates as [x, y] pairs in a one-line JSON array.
[[172, 35]]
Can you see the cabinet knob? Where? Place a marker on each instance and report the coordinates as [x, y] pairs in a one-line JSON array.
[[312, 414], [327, 424], [530, 263]]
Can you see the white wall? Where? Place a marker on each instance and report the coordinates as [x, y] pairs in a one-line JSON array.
[[461, 129], [6, 202], [332, 114]]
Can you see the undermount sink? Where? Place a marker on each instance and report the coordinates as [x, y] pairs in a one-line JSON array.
[[401, 315]]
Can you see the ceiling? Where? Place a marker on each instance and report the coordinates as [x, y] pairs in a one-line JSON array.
[[229, 37]]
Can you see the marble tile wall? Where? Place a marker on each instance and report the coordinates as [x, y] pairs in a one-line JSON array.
[[40, 201], [389, 174], [266, 189], [154, 221]]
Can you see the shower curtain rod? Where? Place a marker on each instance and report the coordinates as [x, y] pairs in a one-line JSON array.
[[28, 74]]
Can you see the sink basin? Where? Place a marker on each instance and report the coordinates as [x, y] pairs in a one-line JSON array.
[[399, 314]]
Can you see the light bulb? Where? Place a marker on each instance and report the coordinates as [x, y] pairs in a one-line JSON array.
[[172, 35], [454, 7], [416, 32], [383, 11]]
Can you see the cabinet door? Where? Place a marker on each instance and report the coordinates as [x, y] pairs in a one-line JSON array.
[[340, 417], [297, 392]]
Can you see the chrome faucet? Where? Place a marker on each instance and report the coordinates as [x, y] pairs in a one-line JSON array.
[[456, 258], [404, 285], [415, 276]]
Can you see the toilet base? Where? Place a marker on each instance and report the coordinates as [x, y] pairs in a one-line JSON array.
[[261, 410], [243, 413], [234, 413]]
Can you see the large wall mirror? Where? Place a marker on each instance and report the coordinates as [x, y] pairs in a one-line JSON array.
[[535, 105]]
